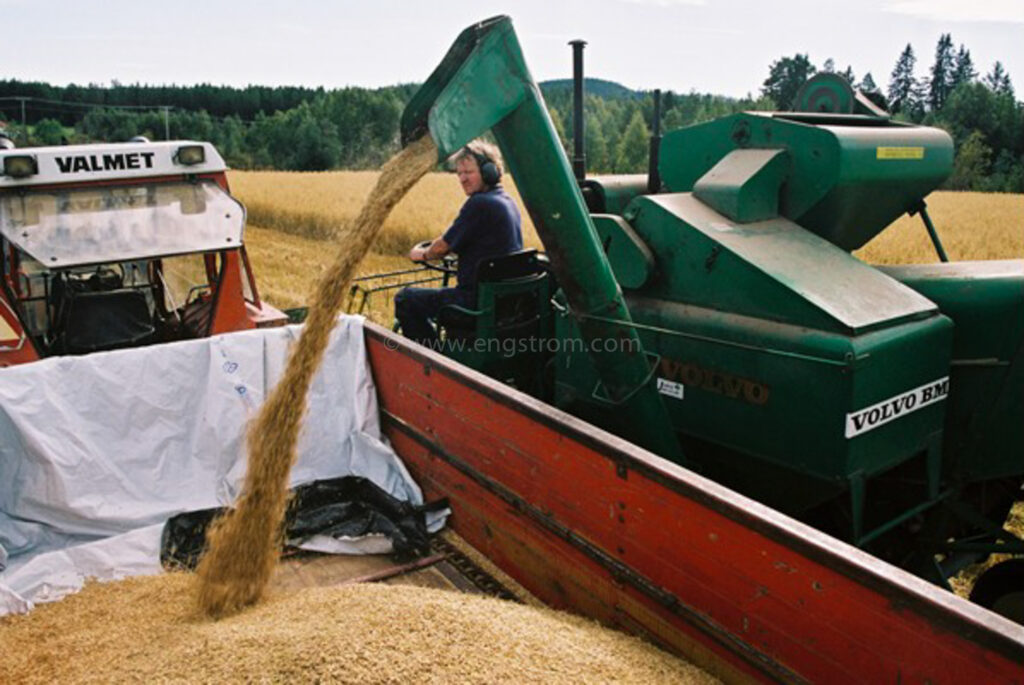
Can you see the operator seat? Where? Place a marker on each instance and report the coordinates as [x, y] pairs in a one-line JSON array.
[[503, 337], [512, 295], [108, 320]]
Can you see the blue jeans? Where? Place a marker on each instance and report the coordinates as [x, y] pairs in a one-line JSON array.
[[415, 308]]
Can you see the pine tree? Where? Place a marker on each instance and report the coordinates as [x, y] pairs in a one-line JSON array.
[[830, 66], [849, 75], [963, 69], [870, 90], [998, 80], [901, 83], [941, 81], [995, 77], [1005, 86], [917, 106]]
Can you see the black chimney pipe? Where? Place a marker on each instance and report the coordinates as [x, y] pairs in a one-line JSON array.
[[579, 157], [653, 177]]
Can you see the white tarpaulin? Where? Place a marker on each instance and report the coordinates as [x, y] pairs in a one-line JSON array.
[[97, 452]]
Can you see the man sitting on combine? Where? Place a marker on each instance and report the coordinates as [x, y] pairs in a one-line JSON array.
[[488, 226]]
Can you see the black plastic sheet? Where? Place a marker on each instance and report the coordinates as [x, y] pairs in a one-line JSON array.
[[348, 507]]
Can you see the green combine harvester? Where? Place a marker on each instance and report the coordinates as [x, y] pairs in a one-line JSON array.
[[711, 312]]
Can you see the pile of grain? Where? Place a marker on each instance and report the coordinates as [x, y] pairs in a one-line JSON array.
[[143, 629], [243, 545]]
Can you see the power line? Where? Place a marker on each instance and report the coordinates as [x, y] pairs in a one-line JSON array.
[[51, 108], [91, 105], [165, 109]]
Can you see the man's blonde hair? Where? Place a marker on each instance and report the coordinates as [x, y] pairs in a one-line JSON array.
[[480, 150]]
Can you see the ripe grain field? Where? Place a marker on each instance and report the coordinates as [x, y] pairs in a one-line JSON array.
[[292, 216], [316, 204], [971, 226]]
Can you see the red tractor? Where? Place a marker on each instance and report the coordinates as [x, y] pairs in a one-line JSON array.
[[117, 245]]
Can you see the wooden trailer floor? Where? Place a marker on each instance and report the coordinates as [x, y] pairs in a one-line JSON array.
[[452, 565]]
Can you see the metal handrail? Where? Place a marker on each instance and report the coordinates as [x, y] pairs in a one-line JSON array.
[[365, 293]]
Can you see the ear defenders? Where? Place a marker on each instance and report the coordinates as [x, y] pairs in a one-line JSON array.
[[489, 172]]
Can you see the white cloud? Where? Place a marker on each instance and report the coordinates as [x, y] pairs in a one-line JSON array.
[[665, 3], [1006, 11]]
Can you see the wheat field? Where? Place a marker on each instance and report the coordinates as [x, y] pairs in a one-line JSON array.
[[317, 204], [292, 216], [971, 226]]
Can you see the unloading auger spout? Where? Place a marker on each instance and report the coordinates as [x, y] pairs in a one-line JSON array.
[[483, 84]]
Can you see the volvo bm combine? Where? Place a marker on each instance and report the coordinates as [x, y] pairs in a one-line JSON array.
[[711, 312], [109, 246]]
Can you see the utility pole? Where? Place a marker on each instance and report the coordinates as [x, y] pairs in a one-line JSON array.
[[167, 124], [24, 127]]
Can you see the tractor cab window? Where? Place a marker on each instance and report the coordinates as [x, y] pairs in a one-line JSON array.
[[32, 284], [71, 227], [186, 284], [184, 278], [98, 268], [84, 308]]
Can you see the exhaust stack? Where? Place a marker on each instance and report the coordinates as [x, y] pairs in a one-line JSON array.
[[653, 175], [579, 159]]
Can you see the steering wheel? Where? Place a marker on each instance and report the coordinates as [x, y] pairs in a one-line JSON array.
[[448, 264]]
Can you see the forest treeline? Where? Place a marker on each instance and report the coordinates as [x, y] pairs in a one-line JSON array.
[[292, 128]]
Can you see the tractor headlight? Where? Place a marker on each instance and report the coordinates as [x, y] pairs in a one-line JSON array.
[[20, 166], [190, 155]]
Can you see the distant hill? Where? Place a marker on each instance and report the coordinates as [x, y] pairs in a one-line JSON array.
[[592, 86]]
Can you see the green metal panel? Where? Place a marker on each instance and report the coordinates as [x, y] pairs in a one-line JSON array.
[[774, 269], [880, 178], [744, 185], [631, 260], [984, 433], [449, 106], [611, 194], [851, 176], [776, 398]]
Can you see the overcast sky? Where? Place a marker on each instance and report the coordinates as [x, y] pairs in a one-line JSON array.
[[719, 46]]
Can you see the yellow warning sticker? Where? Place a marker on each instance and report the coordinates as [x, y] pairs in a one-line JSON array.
[[899, 153]]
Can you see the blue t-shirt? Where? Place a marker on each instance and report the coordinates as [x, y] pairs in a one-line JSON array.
[[488, 225]]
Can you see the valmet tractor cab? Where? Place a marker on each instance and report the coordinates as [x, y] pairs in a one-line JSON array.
[[109, 246]]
